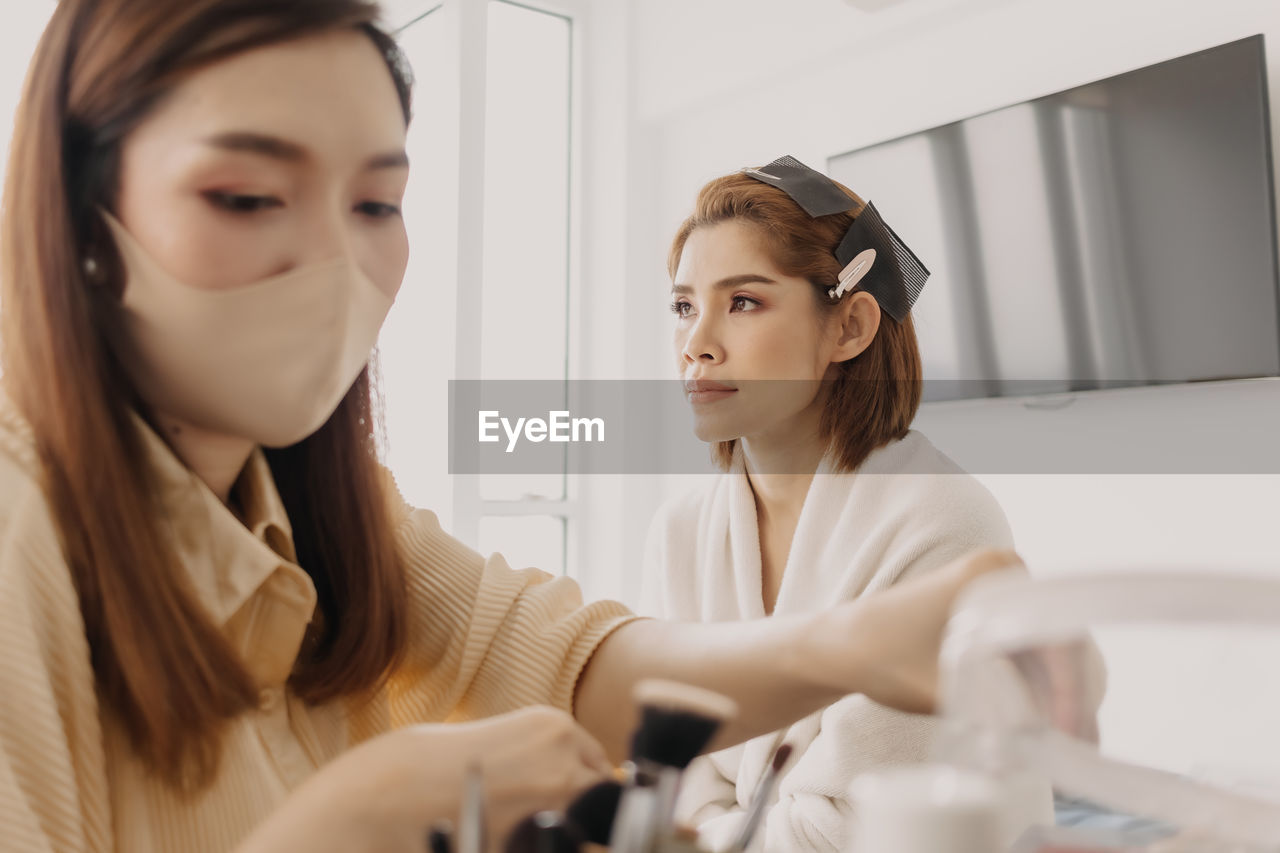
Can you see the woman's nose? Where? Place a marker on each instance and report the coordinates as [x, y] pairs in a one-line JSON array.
[[326, 236], [702, 345]]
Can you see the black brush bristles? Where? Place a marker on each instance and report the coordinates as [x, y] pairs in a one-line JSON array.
[[780, 757], [677, 722], [440, 838], [544, 832], [594, 810], [672, 737]]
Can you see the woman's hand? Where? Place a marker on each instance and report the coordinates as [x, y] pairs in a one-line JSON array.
[[1067, 683], [533, 759], [886, 645], [384, 794]]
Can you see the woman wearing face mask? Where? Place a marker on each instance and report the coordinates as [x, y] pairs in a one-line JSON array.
[[794, 338], [220, 625]]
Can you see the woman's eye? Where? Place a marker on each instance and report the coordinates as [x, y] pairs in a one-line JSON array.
[[744, 303], [681, 308], [377, 209], [237, 203]]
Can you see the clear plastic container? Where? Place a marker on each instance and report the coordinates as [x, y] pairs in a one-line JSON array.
[[1149, 701]]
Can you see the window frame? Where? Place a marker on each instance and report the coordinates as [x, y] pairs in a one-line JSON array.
[[468, 22]]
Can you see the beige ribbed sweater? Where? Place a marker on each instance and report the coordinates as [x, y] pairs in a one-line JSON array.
[[484, 639]]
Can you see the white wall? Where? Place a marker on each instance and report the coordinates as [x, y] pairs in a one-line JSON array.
[[20, 29], [718, 84]]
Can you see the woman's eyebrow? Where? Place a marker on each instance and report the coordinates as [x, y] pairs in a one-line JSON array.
[[291, 152], [389, 160], [258, 143], [731, 281]]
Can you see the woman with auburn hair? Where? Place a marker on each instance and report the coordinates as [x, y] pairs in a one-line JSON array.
[[221, 627], [794, 339]]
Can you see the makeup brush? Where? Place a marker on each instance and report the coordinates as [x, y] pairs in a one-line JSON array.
[[440, 839], [594, 810], [554, 834], [471, 823], [544, 832], [677, 722], [760, 799]]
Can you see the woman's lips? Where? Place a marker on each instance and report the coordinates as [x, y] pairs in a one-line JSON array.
[[705, 391], [710, 396]]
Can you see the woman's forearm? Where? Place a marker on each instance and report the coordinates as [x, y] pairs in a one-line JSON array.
[[763, 666], [781, 669]]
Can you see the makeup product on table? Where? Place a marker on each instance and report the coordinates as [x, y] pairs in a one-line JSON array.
[[926, 808], [1023, 674], [1060, 839]]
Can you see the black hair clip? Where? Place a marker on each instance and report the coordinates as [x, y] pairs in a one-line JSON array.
[[870, 252]]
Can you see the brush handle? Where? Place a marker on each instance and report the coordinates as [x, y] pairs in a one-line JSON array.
[[764, 792], [755, 812], [665, 794], [634, 829], [471, 823]]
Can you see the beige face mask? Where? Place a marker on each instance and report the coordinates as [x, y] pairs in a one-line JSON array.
[[267, 361]]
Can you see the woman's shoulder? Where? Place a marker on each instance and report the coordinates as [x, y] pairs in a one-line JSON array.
[[18, 460], [914, 453], [21, 491], [40, 603], [421, 536], [942, 495]]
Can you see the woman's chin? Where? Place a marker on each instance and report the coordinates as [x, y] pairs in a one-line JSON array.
[[712, 430]]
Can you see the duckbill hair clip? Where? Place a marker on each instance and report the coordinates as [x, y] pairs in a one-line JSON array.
[[870, 252]]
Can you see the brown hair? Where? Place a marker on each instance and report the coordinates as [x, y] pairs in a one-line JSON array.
[[161, 665], [875, 396]]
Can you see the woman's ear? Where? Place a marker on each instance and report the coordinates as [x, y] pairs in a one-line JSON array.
[[859, 322]]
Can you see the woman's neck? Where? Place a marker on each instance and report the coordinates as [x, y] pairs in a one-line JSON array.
[[215, 458], [780, 469], [780, 495], [780, 476]]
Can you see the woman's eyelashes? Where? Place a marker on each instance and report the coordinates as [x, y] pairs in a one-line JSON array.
[[378, 209], [245, 203], [738, 304], [241, 202]]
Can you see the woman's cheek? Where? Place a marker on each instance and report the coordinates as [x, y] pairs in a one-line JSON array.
[[217, 259], [387, 264], [380, 248], [770, 347]]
